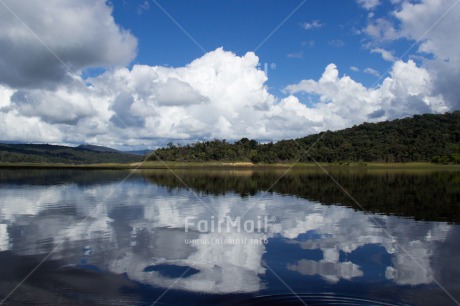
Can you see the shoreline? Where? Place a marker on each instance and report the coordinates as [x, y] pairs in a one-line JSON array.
[[231, 165]]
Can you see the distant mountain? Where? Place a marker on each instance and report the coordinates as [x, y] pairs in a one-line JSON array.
[[97, 148], [107, 149], [45, 153], [139, 152]]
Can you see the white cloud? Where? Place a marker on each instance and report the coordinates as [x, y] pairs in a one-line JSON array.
[[220, 95], [381, 30], [20, 128], [386, 55], [80, 33], [372, 71], [435, 24], [336, 270], [64, 105], [368, 4], [315, 24], [343, 102], [5, 96], [354, 68]]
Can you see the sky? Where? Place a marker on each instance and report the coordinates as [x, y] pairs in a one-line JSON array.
[[140, 74]]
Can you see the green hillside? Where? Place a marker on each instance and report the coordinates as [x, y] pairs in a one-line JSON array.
[[44, 153], [422, 138]]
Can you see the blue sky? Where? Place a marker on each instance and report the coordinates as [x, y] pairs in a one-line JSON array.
[[240, 26], [140, 74]]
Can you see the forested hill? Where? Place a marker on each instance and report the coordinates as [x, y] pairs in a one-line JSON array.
[[428, 138], [44, 153]]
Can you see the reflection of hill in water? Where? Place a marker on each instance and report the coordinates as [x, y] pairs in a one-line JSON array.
[[48, 177], [431, 196]]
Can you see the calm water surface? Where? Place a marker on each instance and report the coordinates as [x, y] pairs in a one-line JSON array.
[[81, 237]]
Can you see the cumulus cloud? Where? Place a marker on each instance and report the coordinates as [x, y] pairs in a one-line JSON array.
[[26, 129], [381, 30], [435, 24], [220, 95], [64, 105], [41, 45], [386, 55], [408, 90]]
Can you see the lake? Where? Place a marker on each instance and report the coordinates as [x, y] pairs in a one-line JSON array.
[[225, 237]]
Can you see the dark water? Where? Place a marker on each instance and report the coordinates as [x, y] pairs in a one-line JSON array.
[[74, 237]]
